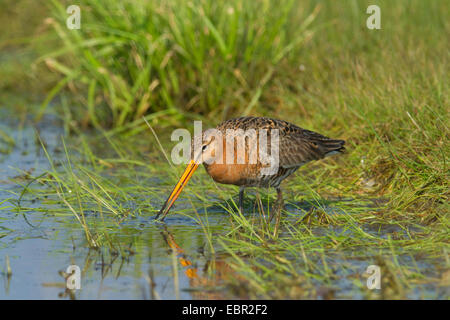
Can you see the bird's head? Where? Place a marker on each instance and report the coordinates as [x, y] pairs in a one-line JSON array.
[[204, 149]]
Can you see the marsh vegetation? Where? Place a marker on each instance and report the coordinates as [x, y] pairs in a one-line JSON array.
[[81, 171]]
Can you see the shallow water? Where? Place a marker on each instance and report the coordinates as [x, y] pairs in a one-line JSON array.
[[39, 245], [153, 261]]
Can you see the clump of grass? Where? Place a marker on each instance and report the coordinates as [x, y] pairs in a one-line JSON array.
[[131, 57]]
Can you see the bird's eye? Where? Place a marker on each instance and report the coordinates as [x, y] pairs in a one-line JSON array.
[[204, 147]]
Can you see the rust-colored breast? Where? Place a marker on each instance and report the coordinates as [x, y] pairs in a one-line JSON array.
[[237, 173]]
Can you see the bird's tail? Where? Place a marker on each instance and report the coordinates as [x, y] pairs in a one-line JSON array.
[[331, 146]]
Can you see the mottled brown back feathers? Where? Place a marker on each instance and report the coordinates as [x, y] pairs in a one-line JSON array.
[[297, 145]]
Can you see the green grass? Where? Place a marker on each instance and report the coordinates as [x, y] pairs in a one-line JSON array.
[[132, 58], [384, 91]]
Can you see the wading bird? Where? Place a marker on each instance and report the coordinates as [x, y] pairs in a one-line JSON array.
[[292, 146]]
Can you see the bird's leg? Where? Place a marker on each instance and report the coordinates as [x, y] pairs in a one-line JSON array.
[[280, 199], [279, 204], [279, 207], [241, 200]]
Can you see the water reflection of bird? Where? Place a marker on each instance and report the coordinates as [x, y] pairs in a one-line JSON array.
[[230, 162], [205, 284]]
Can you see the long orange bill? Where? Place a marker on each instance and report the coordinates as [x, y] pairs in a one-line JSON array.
[[187, 174]]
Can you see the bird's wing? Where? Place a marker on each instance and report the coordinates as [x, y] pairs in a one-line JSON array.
[[299, 146]]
